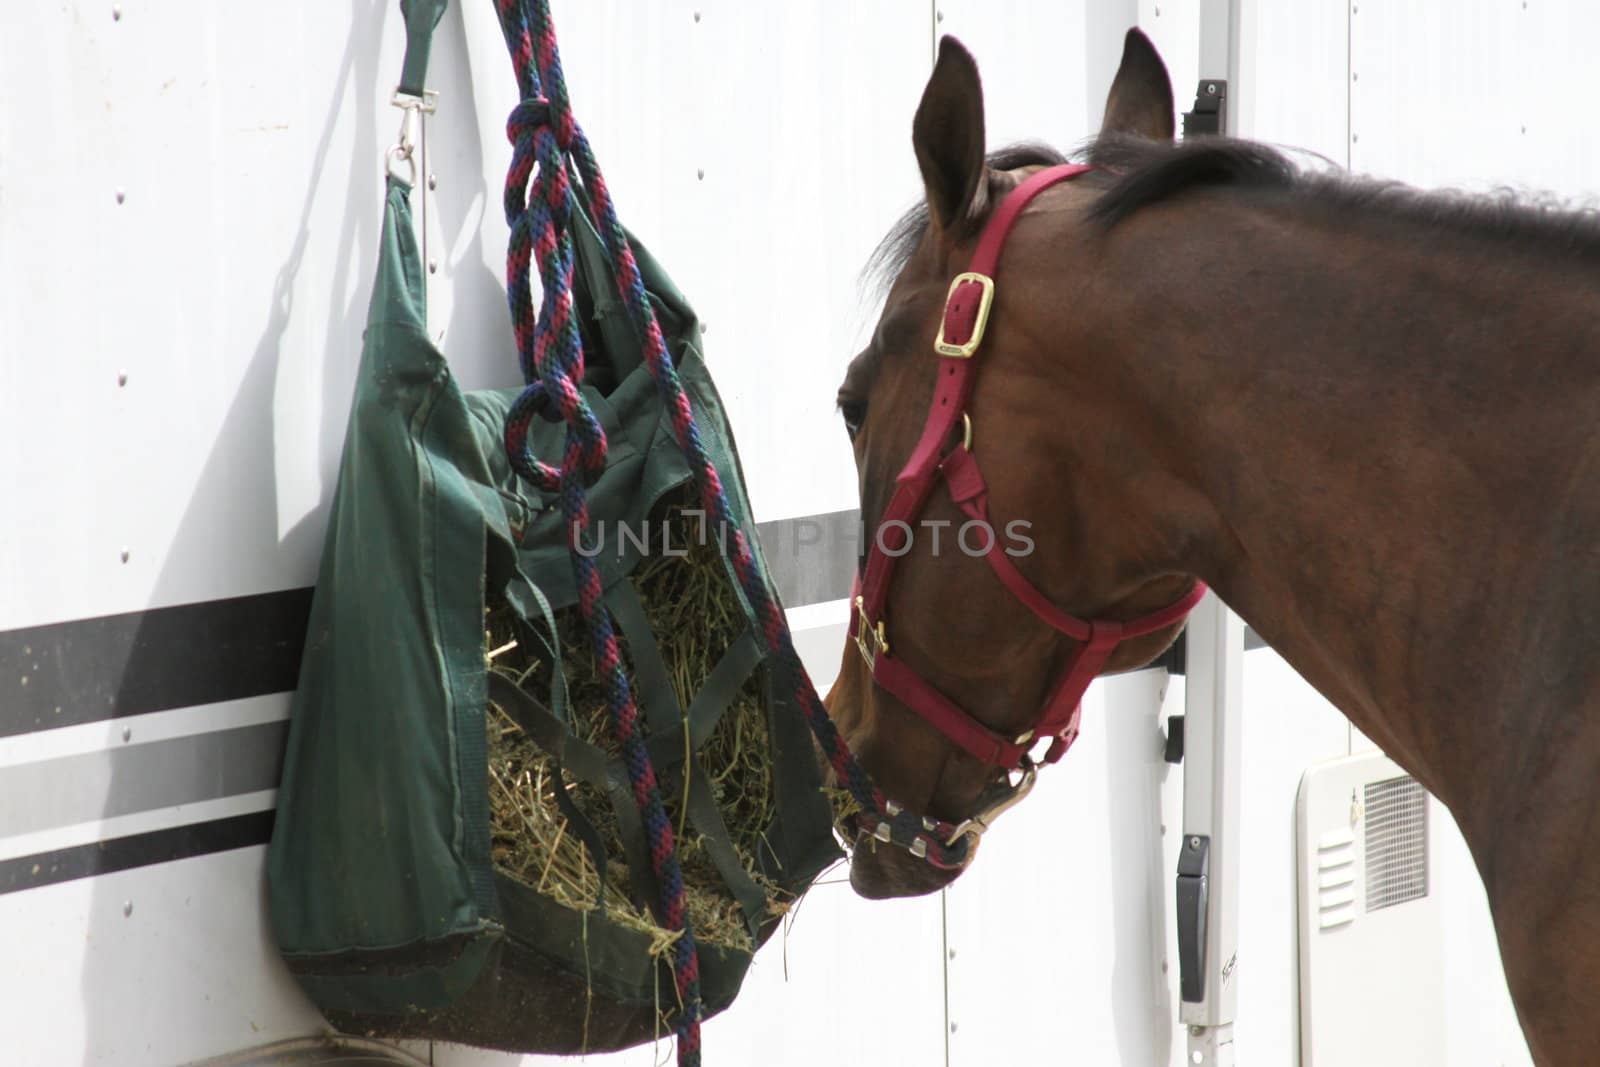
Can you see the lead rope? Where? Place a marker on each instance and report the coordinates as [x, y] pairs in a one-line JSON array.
[[538, 208]]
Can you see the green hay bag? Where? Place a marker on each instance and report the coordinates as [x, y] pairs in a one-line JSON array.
[[436, 720]]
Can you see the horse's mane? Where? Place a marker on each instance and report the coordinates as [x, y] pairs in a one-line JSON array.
[[1150, 172], [1137, 173]]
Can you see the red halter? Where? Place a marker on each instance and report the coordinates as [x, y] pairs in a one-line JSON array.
[[966, 312]]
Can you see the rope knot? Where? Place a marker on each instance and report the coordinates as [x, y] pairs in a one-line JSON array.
[[527, 118], [586, 449]]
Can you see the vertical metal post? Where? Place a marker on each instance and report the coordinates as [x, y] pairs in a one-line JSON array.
[[1208, 856], [1208, 863]]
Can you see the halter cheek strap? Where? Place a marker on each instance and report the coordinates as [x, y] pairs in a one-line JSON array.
[[966, 314]]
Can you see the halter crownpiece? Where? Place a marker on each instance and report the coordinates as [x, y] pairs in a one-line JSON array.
[[961, 329]]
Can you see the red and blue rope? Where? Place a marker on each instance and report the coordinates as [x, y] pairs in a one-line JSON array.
[[538, 202], [548, 146]]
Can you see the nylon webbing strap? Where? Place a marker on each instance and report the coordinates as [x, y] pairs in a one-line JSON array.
[[667, 725], [587, 763], [721, 686], [707, 819], [421, 17], [650, 676]]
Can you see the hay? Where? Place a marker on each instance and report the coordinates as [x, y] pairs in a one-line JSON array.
[[695, 614]]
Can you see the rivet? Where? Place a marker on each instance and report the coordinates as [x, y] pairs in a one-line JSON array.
[[1194, 842], [938, 16], [433, 181], [1354, 137], [24, 679], [433, 266], [1158, 12], [952, 953], [122, 378], [1355, 77], [705, 327], [116, 12], [124, 555], [953, 1027], [127, 908], [700, 174], [127, 733], [1163, 966], [121, 196], [1211, 88], [697, 16], [1524, 129]]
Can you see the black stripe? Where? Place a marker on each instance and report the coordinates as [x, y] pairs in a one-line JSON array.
[[114, 666], [812, 559], [118, 665], [135, 850]]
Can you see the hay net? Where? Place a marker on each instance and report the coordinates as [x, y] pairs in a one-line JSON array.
[[560, 833]]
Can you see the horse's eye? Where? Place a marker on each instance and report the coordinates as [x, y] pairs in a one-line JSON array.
[[855, 413]]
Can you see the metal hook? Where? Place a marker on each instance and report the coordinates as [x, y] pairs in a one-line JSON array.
[[1009, 798], [411, 108], [396, 154]]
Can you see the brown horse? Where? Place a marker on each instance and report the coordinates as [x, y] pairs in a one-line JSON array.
[[1365, 416]]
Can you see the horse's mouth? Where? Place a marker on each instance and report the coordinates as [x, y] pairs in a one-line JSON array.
[[882, 872]]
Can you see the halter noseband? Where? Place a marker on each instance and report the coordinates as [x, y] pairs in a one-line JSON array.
[[966, 313]]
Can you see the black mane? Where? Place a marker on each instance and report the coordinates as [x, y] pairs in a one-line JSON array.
[[1136, 173], [1145, 172]]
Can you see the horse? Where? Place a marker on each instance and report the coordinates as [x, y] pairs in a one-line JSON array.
[[1362, 414]]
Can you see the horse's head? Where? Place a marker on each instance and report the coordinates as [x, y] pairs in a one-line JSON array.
[[951, 617]]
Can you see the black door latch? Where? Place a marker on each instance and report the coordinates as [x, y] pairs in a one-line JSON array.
[[1210, 109], [1194, 868]]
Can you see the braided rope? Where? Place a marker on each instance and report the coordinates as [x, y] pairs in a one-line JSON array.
[[547, 140], [539, 210], [904, 829]]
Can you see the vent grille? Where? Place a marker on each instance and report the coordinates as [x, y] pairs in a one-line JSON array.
[[1396, 812]]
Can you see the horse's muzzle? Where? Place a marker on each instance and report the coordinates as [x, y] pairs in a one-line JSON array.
[[881, 872]]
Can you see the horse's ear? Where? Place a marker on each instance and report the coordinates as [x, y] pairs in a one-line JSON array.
[[948, 137], [1140, 101]]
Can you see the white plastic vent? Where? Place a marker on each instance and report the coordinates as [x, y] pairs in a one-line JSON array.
[[1396, 842], [1371, 933], [1336, 878]]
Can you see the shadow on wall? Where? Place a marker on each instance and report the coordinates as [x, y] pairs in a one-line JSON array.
[[1141, 1000], [237, 512]]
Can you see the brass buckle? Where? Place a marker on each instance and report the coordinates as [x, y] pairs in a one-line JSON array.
[[975, 826], [866, 632], [964, 351]]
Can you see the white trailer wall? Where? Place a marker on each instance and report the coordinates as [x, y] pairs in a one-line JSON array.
[[189, 207]]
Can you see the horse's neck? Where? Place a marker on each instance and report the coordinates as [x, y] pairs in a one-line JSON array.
[[1401, 449]]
